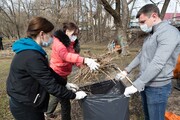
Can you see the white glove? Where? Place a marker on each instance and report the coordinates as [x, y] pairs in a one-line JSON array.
[[71, 86], [130, 90], [80, 95], [92, 64], [121, 75]]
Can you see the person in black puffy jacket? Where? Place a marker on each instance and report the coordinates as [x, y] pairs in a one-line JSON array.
[[30, 78]]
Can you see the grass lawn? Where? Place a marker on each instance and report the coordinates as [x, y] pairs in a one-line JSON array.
[[4, 104]]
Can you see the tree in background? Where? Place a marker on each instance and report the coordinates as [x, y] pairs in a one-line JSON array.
[[96, 18], [121, 15]]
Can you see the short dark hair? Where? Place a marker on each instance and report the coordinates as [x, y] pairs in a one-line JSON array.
[[38, 24], [148, 10]]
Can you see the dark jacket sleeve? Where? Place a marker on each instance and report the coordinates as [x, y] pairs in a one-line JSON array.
[[58, 78], [39, 69]]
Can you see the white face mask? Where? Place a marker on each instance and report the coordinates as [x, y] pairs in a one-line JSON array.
[[145, 28], [48, 43], [73, 38]]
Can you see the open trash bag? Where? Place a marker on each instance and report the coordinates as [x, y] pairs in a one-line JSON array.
[[105, 101]]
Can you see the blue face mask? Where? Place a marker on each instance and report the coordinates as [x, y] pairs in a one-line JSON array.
[[48, 43]]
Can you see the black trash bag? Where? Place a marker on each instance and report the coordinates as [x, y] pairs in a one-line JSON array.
[[105, 101]]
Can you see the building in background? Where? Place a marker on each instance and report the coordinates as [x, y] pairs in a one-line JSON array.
[[172, 12]]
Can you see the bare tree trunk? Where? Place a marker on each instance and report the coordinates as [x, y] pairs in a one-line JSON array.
[[78, 9], [163, 11], [73, 9], [15, 17], [87, 23], [58, 16], [118, 7], [103, 25], [95, 25], [91, 21], [99, 23], [130, 12], [26, 8], [119, 21], [18, 19], [125, 14]]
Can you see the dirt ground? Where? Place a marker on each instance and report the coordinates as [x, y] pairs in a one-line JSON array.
[[174, 100]]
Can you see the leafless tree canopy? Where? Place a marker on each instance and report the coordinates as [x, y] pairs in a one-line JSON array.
[[96, 18]]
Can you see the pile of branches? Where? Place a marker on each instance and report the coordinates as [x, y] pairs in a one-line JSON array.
[[106, 71]]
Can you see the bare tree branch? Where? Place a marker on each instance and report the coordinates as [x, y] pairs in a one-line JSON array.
[[118, 7], [153, 2], [163, 11], [109, 9], [129, 2], [6, 14]]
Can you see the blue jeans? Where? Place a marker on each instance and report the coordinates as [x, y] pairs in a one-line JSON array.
[[22, 112], [154, 100]]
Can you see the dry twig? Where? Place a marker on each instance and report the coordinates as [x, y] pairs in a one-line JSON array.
[[107, 69]]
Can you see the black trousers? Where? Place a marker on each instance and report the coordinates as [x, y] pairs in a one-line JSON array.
[[22, 112], [65, 107]]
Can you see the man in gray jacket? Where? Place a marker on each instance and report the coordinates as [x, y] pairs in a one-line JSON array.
[[157, 60]]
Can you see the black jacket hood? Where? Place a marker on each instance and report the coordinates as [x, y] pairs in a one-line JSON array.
[[62, 37]]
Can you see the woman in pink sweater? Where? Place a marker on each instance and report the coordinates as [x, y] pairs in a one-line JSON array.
[[65, 54]]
